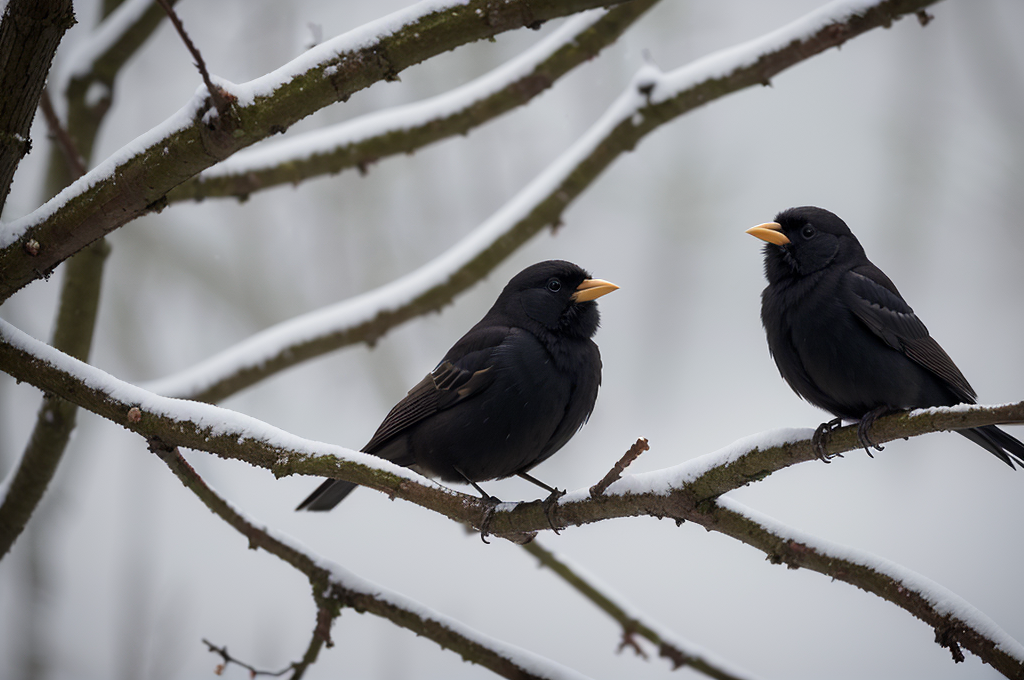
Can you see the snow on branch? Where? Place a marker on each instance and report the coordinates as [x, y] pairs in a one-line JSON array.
[[135, 180], [679, 653], [651, 100], [956, 622], [404, 129], [114, 40], [688, 492], [334, 587]]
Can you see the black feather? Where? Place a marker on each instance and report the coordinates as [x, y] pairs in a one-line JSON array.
[[509, 394], [845, 339]]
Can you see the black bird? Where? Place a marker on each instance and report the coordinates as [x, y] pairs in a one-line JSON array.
[[507, 395], [843, 337]]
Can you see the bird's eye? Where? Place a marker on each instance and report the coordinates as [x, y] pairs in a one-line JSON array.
[[808, 231], [554, 285]]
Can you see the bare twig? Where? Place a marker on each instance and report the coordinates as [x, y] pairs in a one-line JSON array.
[[634, 452], [221, 99], [253, 672], [75, 163]]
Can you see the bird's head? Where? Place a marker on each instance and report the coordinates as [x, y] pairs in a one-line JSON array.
[[804, 240], [556, 294]]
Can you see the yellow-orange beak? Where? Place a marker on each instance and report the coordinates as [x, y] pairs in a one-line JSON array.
[[591, 289], [771, 232]]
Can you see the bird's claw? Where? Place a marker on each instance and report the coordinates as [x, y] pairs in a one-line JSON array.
[[864, 429], [550, 504], [485, 524], [820, 439]]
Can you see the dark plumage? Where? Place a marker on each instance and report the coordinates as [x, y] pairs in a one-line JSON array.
[[843, 337], [507, 395]]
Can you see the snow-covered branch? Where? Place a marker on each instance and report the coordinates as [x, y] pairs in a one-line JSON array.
[[679, 653], [136, 179], [93, 67], [96, 64], [365, 140], [652, 99], [685, 492], [334, 588], [681, 492], [956, 622]]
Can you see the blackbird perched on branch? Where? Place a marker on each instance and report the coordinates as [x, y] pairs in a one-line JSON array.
[[843, 337], [507, 395]]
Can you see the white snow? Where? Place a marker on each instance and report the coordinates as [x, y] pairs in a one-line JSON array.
[[219, 421], [246, 93], [667, 480], [96, 93], [183, 118], [722, 63], [942, 600], [81, 60], [527, 660], [259, 348], [319, 142], [356, 39]]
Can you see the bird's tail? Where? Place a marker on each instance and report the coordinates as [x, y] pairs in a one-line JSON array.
[[1006, 448], [329, 494]]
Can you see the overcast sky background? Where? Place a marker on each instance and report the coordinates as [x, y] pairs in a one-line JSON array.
[[913, 135]]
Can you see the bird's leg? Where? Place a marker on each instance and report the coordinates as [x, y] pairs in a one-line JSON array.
[[821, 437], [550, 503], [864, 427], [491, 501]]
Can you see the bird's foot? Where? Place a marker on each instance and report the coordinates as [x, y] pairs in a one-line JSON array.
[[492, 503], [550, 505], [864, 428], [821, 436]]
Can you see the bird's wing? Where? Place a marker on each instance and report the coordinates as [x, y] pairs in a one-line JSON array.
[[463, 372], [876, 302]]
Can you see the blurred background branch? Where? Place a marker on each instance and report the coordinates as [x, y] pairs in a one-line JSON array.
[[78, 305], [333, 587], [680, 654], [650, 101]]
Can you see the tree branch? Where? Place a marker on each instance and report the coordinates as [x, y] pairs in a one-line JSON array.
[[685, 492], [29, 34], [64, 144], [954, 620], [365, 140], [80, 288], [136, 179], [72, 333], [89, 88], [650, 101], [334, 588], [221, 100], [678, 653]]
